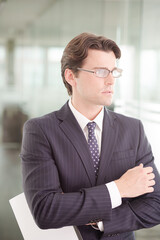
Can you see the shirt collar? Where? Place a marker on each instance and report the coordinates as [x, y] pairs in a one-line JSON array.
[[82, 120]]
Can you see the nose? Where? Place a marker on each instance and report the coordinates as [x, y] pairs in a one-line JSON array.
[[109, 80]]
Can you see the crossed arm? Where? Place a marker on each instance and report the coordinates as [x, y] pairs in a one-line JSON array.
[[142, 211], [51, 208], [135, 182], [140, 189]]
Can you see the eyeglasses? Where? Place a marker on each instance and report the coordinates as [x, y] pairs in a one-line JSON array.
[[104, 72]]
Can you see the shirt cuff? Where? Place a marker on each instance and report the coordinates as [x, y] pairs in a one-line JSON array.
[[114, 193], [100, 226]]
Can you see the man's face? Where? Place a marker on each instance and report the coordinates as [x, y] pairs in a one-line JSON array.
[[90, 89]]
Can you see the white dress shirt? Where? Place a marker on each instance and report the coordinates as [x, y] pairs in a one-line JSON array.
[[83, 121]]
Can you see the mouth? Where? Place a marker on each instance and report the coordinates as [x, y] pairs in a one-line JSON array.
[[107, 91]]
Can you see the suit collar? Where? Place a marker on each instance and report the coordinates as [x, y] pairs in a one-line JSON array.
[[65, 112]]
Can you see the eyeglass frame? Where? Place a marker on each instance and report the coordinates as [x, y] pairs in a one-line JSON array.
[[109, 71]]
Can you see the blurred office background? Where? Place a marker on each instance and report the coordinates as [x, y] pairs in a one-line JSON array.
[[33, 35]]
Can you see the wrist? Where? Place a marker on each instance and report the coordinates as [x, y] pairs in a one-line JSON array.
[[120, 187]]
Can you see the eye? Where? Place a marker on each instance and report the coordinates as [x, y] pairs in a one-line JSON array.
[[101, 72]]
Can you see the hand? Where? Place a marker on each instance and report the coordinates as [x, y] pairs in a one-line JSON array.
[[91, 224], [136, 181]]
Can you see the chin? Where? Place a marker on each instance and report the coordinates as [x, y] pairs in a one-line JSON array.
[[107, 103], [103, 102]]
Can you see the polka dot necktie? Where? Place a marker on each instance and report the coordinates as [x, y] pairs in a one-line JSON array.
[[93, 146]]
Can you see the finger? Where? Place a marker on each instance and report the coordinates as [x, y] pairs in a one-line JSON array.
[[150, 189], [148, 170], [151, 176], [141, 165], [151, 183], [91, 224]]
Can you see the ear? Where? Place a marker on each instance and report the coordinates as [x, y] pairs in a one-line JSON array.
[[70, 77]]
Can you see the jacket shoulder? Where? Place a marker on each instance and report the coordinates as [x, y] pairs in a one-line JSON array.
[[125, 120], [122, 116], [45, 120]]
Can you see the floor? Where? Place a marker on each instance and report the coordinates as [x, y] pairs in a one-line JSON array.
[[11, 185]]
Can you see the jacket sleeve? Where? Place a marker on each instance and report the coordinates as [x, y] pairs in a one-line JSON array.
[[143, 211], [50, 207]]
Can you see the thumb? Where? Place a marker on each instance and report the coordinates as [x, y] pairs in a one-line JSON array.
[[141, 165]]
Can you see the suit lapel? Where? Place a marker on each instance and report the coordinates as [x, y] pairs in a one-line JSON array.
[[109, 136], [74, 133]]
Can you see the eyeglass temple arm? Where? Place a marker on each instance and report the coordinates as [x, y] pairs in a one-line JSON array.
[[85, 70]]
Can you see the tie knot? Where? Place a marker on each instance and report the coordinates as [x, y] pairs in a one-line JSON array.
[[91, 126]]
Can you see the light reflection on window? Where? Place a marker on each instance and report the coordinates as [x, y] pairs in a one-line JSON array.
[[38, 73], [54, 67], [148, 75], [29, 66]]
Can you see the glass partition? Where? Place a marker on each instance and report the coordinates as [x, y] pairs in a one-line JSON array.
[[30, 76]]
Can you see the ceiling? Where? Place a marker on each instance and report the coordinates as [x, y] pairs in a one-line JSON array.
[[59, 17], [52, 20], [57, 21], [16, 15]]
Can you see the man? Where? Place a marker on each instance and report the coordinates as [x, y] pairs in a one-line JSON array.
[[87, 166]]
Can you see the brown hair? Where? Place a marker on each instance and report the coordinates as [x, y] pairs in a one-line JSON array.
[[77, 50]]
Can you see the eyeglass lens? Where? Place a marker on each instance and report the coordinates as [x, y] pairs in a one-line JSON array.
[[105, 73]]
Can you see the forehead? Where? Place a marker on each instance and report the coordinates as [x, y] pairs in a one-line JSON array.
[[98, 58]]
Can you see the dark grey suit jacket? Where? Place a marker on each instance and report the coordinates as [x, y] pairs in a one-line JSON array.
[[59, 180]]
